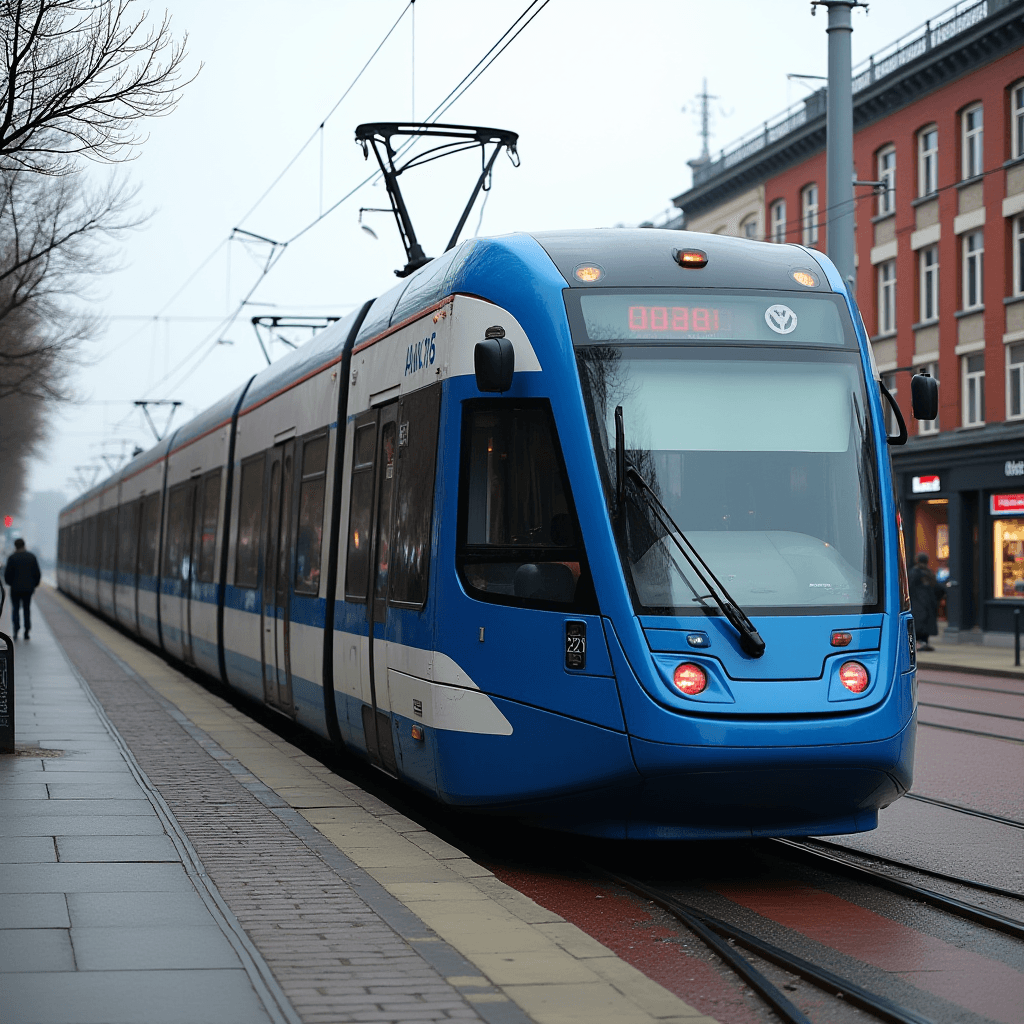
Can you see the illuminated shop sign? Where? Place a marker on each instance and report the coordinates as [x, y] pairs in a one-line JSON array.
[[1007, 504], [923, 484]]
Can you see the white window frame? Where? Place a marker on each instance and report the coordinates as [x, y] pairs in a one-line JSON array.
[[887, 297], [1017, 236], [973, 270], [779, 220], [973, 390], [928, 270], [887, 172], [809, 213], [1017, 119], [928, 161], [928, 426], [1015, 374], [748, 224], [972, 131]]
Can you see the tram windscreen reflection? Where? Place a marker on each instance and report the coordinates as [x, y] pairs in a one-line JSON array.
[[765, 465]]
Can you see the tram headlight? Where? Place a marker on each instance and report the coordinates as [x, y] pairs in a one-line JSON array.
[[690, 679], [854, 676]]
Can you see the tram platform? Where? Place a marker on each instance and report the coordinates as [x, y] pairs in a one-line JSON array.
[[168, 860]]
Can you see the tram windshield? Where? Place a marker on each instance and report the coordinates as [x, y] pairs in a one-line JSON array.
[[762, 454]]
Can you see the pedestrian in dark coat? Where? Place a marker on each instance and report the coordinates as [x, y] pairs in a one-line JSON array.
[[22, 575], [925, 592]]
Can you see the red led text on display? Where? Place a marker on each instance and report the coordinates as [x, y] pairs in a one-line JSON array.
[[696, 319]]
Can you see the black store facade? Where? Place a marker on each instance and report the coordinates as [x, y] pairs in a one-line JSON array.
[[962, 498]]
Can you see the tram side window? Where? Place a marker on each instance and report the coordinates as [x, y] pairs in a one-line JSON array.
[[176, 539], [357, 566], [127, 536], [309, 541], [206, 524], [108, 526], [519, 538], [150, 540], [414, 506], [250, 516], [93, 543]]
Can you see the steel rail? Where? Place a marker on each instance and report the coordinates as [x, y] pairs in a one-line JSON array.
[[700, 923], [970, 711], [951, 905], [971, 732], [1012, 822], [995, 890], [703, 928], [967, 686]]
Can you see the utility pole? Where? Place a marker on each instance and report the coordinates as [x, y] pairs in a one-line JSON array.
[[839, 135]]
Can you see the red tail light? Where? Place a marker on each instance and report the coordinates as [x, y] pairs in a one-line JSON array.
[[690, 679], [854, 676]]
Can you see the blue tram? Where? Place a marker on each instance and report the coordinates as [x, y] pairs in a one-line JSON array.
[[594, 528]]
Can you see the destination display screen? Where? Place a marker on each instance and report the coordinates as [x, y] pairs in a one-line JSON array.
[[785, 318]]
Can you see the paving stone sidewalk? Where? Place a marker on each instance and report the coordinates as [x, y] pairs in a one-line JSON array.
[[292, 940]]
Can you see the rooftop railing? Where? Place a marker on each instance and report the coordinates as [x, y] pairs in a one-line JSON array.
[[911, 45]]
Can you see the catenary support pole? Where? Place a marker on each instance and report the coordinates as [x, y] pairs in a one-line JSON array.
[[839, 146]]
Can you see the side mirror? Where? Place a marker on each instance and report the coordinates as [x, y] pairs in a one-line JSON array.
[[924, 396], [494, 361]]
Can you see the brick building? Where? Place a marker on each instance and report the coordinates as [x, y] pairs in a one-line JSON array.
[[939, 118]]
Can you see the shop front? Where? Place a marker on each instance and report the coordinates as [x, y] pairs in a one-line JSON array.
[[962, 498]]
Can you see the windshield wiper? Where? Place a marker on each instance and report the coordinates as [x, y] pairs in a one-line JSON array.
[[750, 639]]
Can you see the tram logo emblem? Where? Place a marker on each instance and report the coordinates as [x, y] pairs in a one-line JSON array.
[[781, 319]]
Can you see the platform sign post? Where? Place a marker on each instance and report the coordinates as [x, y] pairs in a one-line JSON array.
[[6, 687], [7, 695]]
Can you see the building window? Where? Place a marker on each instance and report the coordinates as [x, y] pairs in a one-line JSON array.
[[974, 268], [1018, 255], [928, 426], [887, 297], [809, 208], [1017, 119], [928, 161], [779, 220], [929, 268], [971, 159], [974, 390], [1015, 381], [748, 229], [887, 174]]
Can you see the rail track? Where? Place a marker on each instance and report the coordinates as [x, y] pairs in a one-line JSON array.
[[719, 936]]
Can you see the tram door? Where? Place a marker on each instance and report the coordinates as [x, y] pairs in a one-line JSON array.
[[277, 560], [377, 718]]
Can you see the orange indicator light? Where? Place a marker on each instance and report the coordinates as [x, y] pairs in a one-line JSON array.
[[417, 732], [806, 278], [692, 258], [588, 273]]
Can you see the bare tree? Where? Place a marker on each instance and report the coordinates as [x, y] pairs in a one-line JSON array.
[[22, 431], [78, 76], [55, 237]]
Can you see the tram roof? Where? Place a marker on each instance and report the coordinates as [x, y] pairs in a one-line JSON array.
[[631, 257]]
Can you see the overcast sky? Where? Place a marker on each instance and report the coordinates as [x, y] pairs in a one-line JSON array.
[[595, 90]]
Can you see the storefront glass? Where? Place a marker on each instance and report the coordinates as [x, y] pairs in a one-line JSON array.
[[1008, 549], [931, 535]]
